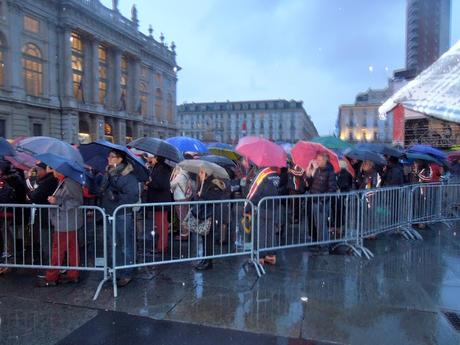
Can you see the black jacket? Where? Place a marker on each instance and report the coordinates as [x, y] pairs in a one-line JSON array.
[[344, 181], [46, 187], [18, 183], [213, 189], [393, 175], [265, 184], [367, 180], [158, 187], [323, 181]]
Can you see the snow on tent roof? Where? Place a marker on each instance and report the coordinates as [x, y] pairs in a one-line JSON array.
[[435, 92]]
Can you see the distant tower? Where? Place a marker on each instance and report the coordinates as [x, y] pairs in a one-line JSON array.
[[427, 32]]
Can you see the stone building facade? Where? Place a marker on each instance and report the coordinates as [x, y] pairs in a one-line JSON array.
[[79, 71], [278, 120]]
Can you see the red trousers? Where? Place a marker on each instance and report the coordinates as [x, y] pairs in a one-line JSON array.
[[161, 225], [64, 242]]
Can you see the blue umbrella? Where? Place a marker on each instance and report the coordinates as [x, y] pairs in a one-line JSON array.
[[413, 156], [66, 167], [187, 144], [381, 148], [5, 148], [428, 150], [39, 145], [94, 154], [365, 155]]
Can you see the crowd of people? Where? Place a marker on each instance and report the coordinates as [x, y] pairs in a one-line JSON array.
[[118, 185]]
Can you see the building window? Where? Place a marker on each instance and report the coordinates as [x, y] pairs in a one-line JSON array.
[[37, 129], [33, 69], [143, 98], [77, 67], [3, 128], [158, 103], [170, 109], [102, 74], [123, 82], [2, 63], [31, 24]]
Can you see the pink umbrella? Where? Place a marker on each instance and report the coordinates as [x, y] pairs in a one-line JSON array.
[[305, 151], [262, 152], [21, 160]]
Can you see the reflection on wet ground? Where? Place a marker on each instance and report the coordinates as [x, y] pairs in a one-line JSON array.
[[396, 298]]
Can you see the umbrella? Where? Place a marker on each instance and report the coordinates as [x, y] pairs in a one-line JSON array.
[[6, 149], [225, 150], [428, 150], [332, 142], [66, 167], [224, 162], [382, 149], [365, 155], [39, 145], [453, 156], [101, 150], [305, 151], [412, 156], [262, 152], [195, 165], [157, 147], [187, 144], [22, 160]]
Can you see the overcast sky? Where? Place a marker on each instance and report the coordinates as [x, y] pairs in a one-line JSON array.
[[316, 51]]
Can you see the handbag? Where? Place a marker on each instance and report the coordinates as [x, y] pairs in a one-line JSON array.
[[201, 228]]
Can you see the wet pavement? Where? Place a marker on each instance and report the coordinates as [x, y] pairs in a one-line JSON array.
[[396, 298]]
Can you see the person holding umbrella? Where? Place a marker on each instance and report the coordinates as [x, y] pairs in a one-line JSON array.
[[158, 191], [120, 186], [393, 172], [66, 219], [369, 177]]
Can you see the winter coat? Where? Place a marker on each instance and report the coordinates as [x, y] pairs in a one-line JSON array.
[[344, 181], [367, 180], [213, 189], [323, 181], [393, 175], [17, 182], [181, 185], [119, 187], [265, 184], [45, 187], [158, 188], [69, 197]]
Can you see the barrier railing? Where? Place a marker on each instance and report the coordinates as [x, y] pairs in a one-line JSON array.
[[321, 220], [44, 237], [143, 234]]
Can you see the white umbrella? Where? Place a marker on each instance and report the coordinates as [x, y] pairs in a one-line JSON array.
[[195, 165]]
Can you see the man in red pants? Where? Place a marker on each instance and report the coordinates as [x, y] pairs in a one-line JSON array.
[[66, 219]]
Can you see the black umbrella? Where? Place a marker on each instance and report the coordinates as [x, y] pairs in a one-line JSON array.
[[157, 147], [382, 149], [224, 162], [365, 155]]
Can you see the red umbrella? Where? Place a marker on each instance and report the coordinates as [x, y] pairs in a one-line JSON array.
[[305, 151], [262, 152], [453, 156]]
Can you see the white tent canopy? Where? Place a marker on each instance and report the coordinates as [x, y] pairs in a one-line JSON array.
[[435, 92]]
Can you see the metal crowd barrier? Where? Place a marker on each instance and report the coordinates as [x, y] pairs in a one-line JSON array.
[[321, 220], [426, 202], [143, 235], [449, 204], [29, 240]]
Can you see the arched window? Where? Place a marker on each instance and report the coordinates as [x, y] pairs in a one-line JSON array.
[[170, 109], [143, 91], [158, 104], [32, 64], [2, 62]]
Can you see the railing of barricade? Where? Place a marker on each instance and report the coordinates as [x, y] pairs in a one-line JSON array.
[[449, 202], [322, 220], [426, 200], [44, 237], [385, 210], [145, 235]]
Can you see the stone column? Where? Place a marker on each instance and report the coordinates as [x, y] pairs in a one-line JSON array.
[[67, 64], [119, 131], [14, 74], [133, 86], [70, 126], [116, 74], [94, 70]]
